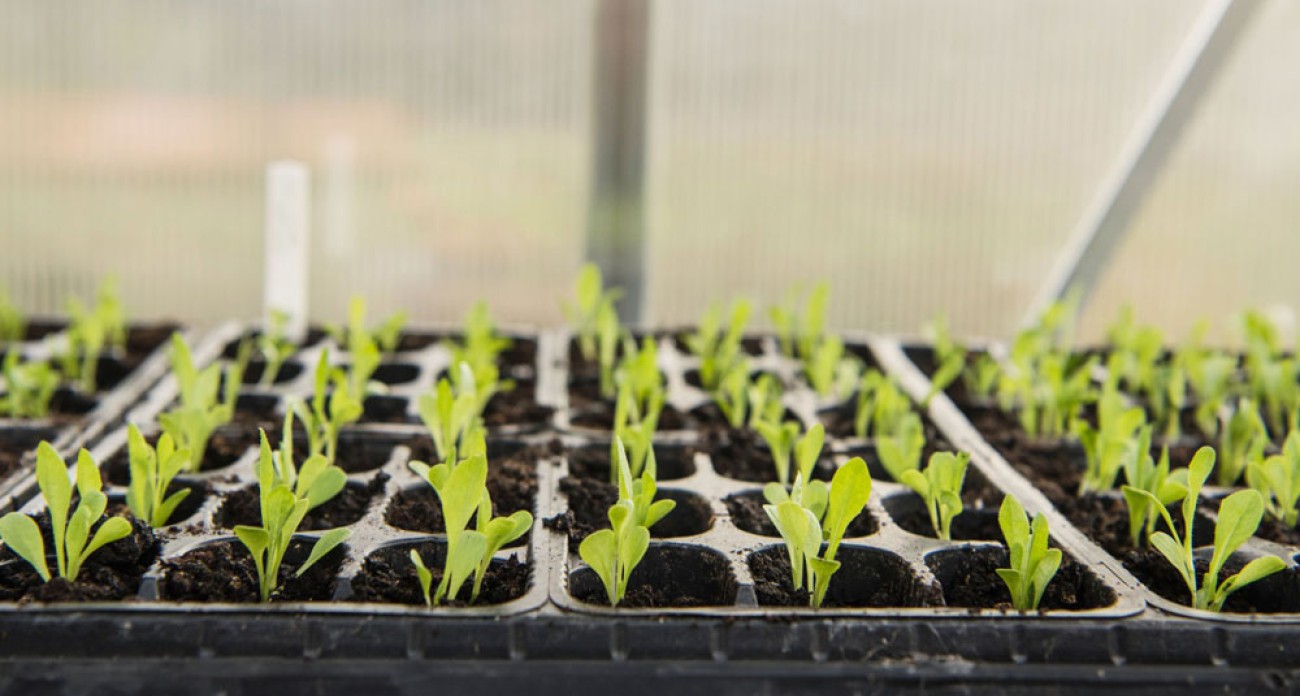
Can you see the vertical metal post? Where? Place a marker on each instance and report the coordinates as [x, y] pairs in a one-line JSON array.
[[615, 223], [1107, 218]]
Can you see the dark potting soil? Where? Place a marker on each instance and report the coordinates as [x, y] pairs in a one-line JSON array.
[[742, 455], [866, 578], [199, 491], [1278, 531], [1277, 593], [973, 524], [17, 442], [599, 415], [588, 511], [710, 417], [749, 345], [388, 575], [593, 462], [969, 579], [244, 507], [223, 572], [511, 481], [517, 407], [746, 510], [111, 573], [225, 447], [386, 409], [668, 576]]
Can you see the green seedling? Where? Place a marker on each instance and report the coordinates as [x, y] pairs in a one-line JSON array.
[[1044, 381], [950, 358], [1147, 480], [90, 332], [1271, 375], [940, 487], [615, 552], [1032, 564], [783, 441], [71, 534], [385, 336], [449, 415], [480, 345], [901, 452], [1239, 517], [333, 405], [638, 436], [639, 374], [1107, 446], [318, 481], [275, 346], [806, 529], [1277, 479], [152, 472], [608, 334], [13, 324], [732, 393], [1209, 376], [829, 372], [799, 331], [982, 378], [199, 412], [283, 510], [463, 494], [590, 298], [718, 351], [28, 387], [881, 407], [1243, 441]]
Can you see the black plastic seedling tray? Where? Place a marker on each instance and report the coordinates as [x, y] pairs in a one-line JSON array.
[[77, 418], [558, 636]]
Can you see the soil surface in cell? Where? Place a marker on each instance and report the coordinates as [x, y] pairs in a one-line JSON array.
[[224, 448], [746, 510], [517, 407], [224, 572], [111, 573], [388, 575], [511, 482], [742, 455], [969, 578], [588, 511], [1277, 593], [244, 506], [866, 578], [668, 576]]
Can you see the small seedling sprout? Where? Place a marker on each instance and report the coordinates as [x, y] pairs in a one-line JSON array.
[[28, 387], [1032, 564], [152, 472], [1239, 517], [71, 534], [940, 487]]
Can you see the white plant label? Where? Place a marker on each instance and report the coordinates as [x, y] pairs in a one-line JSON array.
[[287, 246]]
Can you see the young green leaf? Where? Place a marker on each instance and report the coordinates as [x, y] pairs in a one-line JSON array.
[[940, 488], [152, 472], [1032, 563]]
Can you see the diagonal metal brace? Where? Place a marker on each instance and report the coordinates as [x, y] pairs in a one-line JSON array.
[[1199, 60]]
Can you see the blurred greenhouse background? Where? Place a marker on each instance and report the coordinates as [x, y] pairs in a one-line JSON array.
[[922, 155]]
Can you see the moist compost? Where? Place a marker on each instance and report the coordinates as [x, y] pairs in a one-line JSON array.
[[742, 455], [517, 407], [969, 579], [244, 507], [598, 414], [223, 572], [225, 447], [668, 576], [746, 510], [111, 573], [588, 511], [866, 578], [593, 461], [388, 576], [1275, 594], [511, 482]]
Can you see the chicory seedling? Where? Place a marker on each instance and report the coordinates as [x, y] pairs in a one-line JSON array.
[[950, 358], [615, 552], [463, 494], [1277, 479], [90, 332], [805, 530], [1243, 441], [71, 533], [940, 487], [590, 298], [1239, 517], [283, 510], [275, 346], [333, 405], [28, 387], [881, 407], [639, 374], [901, 451], [1106, 446], [718, 350], [638, 436], [152, 471], [1032, 564], [783, 441], [199, 413], [449, 415], [1146, 480], [385, 335]]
